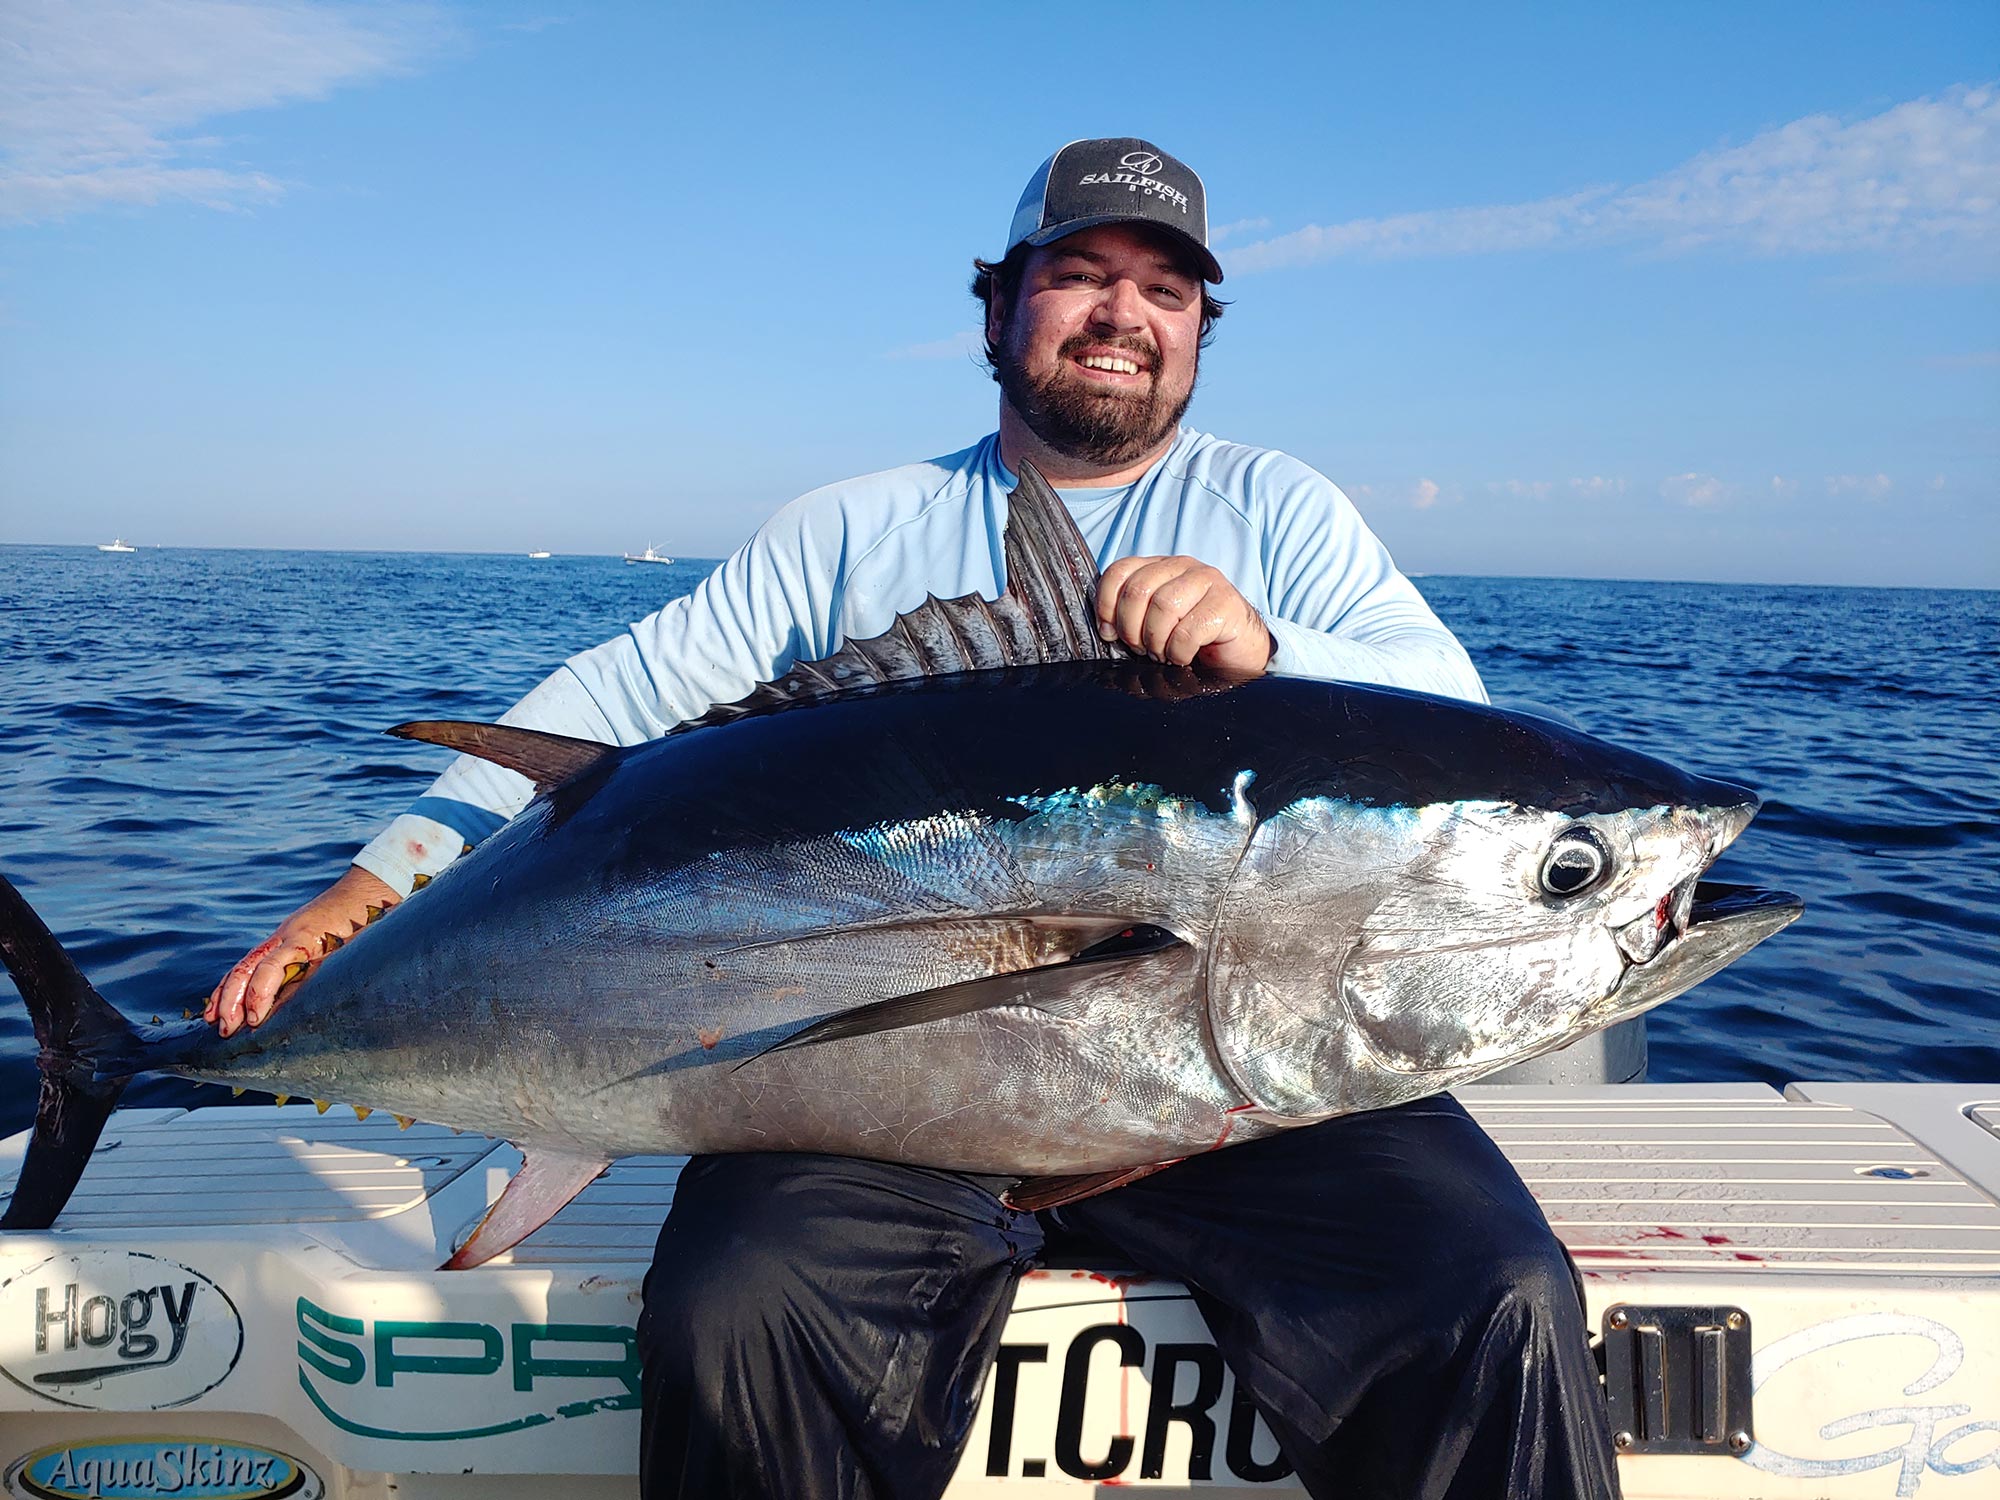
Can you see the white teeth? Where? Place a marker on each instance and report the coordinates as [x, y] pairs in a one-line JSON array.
[[1109, 362]]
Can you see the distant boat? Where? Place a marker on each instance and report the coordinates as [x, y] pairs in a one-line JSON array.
[[116, 544], [541, 552], [648, 556]]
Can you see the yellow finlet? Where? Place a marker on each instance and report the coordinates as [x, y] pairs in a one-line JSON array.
[[404, 1122], [418, 882], [236, 1093], [361, 1111], [281, 1098], [322, 1105]]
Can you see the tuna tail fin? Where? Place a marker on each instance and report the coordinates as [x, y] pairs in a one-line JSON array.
[[76, 1027]]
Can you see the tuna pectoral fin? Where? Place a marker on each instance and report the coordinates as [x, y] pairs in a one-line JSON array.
[[1033, 1194], [1040, 988], [547, 1180], [545, 759], [77, 1030]]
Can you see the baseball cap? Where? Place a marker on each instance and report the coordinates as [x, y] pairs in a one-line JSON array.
[[1115, 180]]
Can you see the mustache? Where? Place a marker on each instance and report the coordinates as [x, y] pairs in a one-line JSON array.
[[1125, 343]]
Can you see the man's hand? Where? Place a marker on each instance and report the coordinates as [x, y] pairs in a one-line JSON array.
[[249, 992], [1181, 610]]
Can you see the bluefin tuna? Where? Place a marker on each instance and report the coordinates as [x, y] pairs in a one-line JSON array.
[[983, 893]]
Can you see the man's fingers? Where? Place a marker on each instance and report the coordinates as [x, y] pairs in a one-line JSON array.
[[1181, 610], [1178, 609], [1207, 622], [225, 1002], [251, 990], [1136, 596], [1109, 585], [260, 995], [249, 993]]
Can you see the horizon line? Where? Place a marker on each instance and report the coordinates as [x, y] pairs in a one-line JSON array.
[[710, 562]]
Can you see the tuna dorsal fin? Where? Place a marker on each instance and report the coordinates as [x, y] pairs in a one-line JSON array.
[[1046, 613], [545, 759]]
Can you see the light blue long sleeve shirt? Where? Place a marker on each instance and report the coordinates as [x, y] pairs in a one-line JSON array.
[[844, 561]]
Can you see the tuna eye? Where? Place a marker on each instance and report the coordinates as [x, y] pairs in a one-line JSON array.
[[1577, 862]]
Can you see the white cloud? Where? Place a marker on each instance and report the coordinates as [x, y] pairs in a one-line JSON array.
[[99, 98], [1597, 487], [962, 345], [1937, 482], [1424, 495], [1698, 490], [1782, 487], [1922, 178], [1874, 486], [1240, 226], [1523, 489]]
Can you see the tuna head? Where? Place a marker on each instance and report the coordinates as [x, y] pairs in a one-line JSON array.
[[1528, 885]]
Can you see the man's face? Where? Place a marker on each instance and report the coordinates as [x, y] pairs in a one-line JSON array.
[[1100, 347]]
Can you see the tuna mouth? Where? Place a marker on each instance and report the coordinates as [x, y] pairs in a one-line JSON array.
[[1699, 927], [1642, 939]]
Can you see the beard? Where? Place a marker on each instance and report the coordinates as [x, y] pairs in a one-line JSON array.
[[1111, 428]]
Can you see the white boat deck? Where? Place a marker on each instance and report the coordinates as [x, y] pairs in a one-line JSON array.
[[1858, 1226]]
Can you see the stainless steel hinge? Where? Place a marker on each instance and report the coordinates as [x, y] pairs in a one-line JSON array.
[[1677, 1379]]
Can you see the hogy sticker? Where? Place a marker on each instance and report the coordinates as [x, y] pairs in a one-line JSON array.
[[117, 1330]]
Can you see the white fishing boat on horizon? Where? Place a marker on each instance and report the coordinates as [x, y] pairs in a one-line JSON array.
[[540, 552], [116, 544], [650, 555]]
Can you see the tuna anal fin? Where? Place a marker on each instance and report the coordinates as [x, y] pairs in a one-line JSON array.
[[1033, 1194], [1037, 987], [545, 759], [547, 1180]]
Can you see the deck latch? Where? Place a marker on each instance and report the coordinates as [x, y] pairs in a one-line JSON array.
[[1677, 1379]]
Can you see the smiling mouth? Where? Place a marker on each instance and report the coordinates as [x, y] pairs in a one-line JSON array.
[[1116, 364]]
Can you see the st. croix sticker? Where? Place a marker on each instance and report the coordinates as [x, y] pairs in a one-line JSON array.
[[152, 1468], [117, 1330]]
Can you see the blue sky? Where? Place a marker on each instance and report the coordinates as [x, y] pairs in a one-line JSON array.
[[1681, 291]]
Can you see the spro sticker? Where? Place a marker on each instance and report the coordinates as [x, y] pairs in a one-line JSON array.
[[117, 1330], [430, 1381], [148, 1469]]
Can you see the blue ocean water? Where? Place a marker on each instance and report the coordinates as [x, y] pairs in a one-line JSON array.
[[190, 746]]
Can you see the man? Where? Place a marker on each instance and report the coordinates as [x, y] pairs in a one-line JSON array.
[[1383, 1285]]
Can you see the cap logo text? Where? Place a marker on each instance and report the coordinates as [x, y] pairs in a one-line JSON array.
[[1137, 182]]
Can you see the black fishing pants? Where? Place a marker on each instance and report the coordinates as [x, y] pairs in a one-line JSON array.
[[1383, 1285]]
